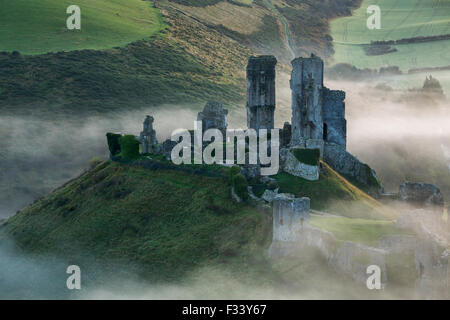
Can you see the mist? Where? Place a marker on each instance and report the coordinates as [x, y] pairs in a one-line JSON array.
[[28, 276], [401, 137], [39, 155]]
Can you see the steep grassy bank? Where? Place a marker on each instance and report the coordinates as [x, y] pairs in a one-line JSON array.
[[334, 194]]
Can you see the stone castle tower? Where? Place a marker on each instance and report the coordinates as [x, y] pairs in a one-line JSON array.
[[318, 114], [307, 112], [261, 92], [148, 135]]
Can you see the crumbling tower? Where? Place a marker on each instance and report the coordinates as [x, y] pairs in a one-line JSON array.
[[307, 111], [261, 92], [213, 116], [148, 136]]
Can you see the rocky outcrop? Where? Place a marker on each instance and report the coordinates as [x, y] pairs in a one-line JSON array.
[[290, 164], [423, 194]]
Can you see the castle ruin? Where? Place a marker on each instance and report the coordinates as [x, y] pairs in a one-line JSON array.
[[213, 116], [317, 122], [318, 114], [147, 137], [261, 92]]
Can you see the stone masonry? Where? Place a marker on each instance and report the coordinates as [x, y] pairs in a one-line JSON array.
[[261, 92], [148, 136], [213, 116], [290, 214]]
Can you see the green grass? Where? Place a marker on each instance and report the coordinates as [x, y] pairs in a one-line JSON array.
[[399, 19], [334, 194], [357, 230], [174, 67], [166, 222], [307, 156], [34, 27]]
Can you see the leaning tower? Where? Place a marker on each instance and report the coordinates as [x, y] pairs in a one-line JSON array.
[[261, 92]]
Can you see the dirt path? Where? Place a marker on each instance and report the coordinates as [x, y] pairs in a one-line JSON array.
[[285, 24]]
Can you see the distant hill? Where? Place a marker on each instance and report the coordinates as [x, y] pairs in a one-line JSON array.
[[36, 27], [188, 63]]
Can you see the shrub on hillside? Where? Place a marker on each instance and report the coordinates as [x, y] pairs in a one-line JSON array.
[[234, 171], [95, 161], [129, 147], [307, 156], [113, 143], [240, 186]]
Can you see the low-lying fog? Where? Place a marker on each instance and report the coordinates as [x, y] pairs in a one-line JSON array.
[[400, 136]]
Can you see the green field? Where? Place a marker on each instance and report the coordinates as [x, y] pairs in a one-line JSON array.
[[34, 27], [399, 19], [357, 230]]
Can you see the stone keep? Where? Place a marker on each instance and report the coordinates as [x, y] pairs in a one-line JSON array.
[[148, 136], [307, 102], [290, 214], [213, 116], [261, 92]]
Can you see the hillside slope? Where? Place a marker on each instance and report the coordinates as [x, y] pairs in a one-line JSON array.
[[165, 223], [185, 64], [169, 222], [35, 27], [261, 24], [160, 215]]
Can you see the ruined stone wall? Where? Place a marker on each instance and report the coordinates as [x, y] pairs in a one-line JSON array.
[[261, 92], [290, 215], [306, 85], [335, 125], [148, 136], [213, 116]]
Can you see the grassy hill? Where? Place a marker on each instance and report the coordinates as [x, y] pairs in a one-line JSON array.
[[177, 224], [258, 25], [185, 64], [167, 218], [35, 27], [168, 221]]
